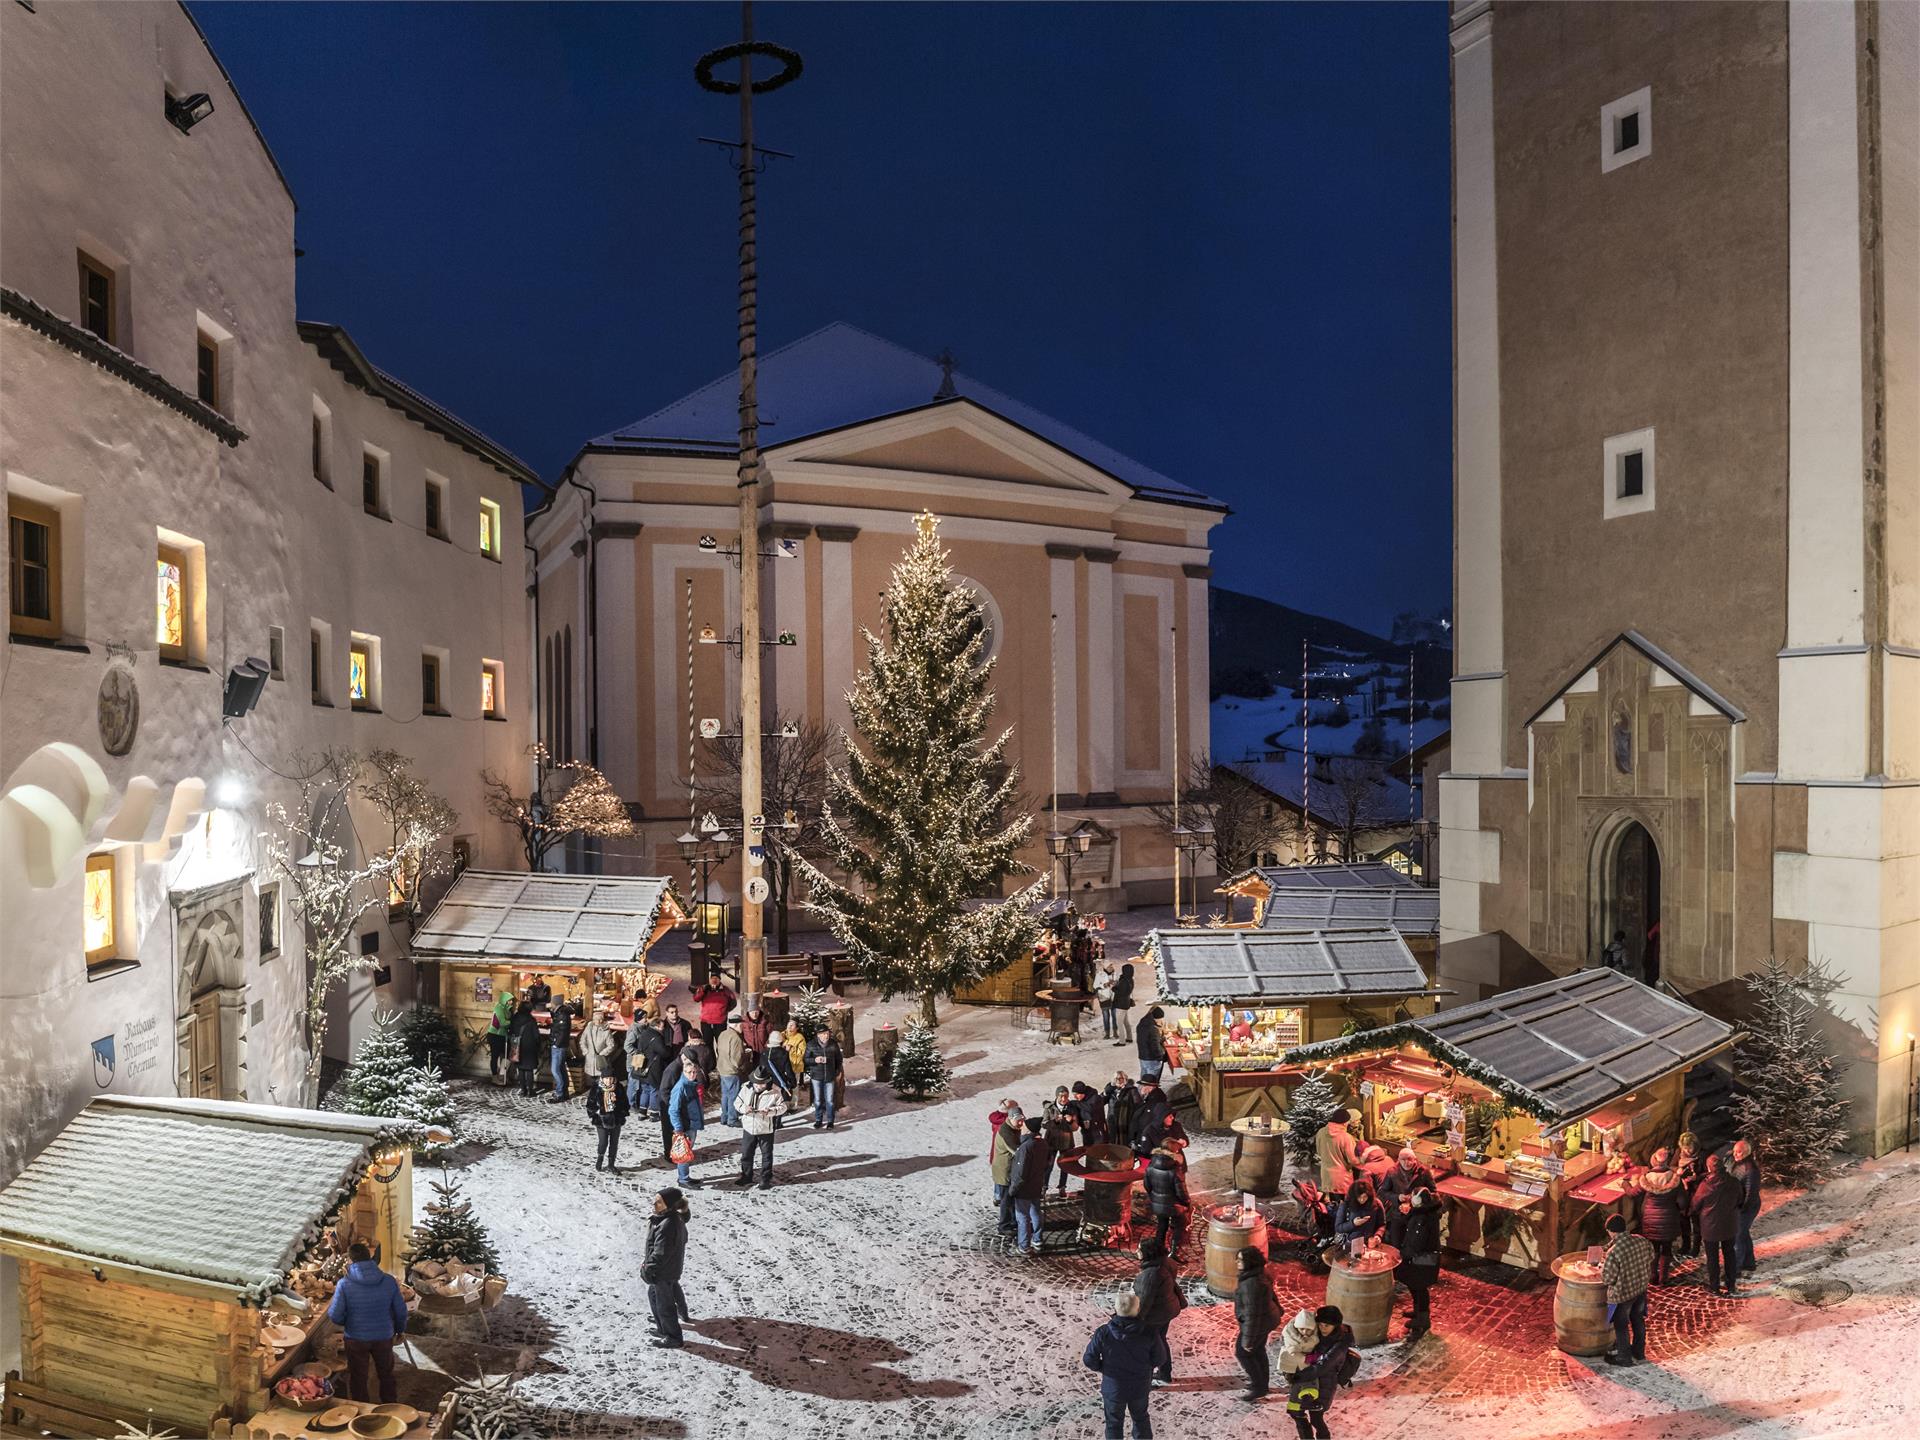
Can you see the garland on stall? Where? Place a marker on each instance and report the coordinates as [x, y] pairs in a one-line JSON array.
[[1387, 1037]]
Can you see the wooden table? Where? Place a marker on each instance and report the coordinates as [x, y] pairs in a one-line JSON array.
[[1259, 1154]]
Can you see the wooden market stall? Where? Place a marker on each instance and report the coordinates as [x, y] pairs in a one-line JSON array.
[[162, 1245], [1263, 881], [585, 936], [1366, 896], [1020, 981], [1536, 1110], [1238, 1000]]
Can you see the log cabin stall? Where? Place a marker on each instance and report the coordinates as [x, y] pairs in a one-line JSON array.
[[1536, 1110], [1344, 897], [175, 1257], [1239, 1000], [586, 936]]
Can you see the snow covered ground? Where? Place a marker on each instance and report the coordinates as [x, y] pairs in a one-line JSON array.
[[868, 1295]]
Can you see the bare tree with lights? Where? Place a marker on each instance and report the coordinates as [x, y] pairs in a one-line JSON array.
[[922, 817], [569, 798]]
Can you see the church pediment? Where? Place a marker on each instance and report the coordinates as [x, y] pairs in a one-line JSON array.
[[1633, 655], [956, 440]]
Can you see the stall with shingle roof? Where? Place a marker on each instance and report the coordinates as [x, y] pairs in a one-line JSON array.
[[1250, 995], [1411, 913], [1262, 880], [1549, 1096], [160, 1229], [589, 933]]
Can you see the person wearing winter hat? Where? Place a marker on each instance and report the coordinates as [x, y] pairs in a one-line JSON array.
[[1663, 1201], [607, 1111], [1626, 1271], [1338, 1153], [759, 1110], [661, 1265], [1122, 1352], [1311, 1390], [1297, 1339]]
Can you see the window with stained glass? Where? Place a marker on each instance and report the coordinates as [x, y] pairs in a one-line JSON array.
[[97, 918], [490, 529], [170, 603], [359, 675]]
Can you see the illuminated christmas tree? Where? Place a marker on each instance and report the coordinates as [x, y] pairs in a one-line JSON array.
[[921, 819], [918, 1069]]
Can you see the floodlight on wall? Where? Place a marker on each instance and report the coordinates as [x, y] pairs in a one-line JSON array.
[[230, 793], [245, 681], [186, 111]]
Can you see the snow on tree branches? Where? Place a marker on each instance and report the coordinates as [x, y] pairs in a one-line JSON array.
[[918, 1067], [1793, 1110], [921, 818], [384, 1079]]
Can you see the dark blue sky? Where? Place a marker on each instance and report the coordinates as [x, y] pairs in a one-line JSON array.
[[1215, 237]]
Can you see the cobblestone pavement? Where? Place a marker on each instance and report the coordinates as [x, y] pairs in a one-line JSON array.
[[868, 1294]]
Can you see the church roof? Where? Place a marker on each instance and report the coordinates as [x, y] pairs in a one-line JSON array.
[[842, 376]]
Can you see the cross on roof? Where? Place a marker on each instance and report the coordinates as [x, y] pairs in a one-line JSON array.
[[945, 361]]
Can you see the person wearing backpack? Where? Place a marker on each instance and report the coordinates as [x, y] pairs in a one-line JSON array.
[[1331, 1363], [1158, 1286]]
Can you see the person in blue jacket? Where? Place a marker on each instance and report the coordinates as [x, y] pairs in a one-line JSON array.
[[368, 1309], [686, 1111], [1122, 1351]]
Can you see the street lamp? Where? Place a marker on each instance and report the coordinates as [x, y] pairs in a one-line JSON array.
[[1192, 843], [1066, 846], [701, 855]]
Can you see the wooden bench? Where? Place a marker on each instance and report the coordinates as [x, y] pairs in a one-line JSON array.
[[781, 967], [36, 1410]]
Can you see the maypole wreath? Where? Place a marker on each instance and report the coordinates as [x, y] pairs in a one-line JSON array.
[[704, 67]]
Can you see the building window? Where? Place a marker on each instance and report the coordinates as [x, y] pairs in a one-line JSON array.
[[322, 443], [207, 381], [490, 529], [97, 298], [319, 659], [363, 672], [170, 603], [212, 354], [1628, 473], [269, 921], [100, 904], [373, 483], [493, 682], [1626, 129], [436, 507], [431, 670], [276, 652], [33, 568]]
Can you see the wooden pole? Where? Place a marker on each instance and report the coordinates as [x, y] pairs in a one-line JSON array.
[[1175, 629], [753, 941]]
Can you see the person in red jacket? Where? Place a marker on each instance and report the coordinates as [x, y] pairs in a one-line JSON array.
[[715, 1001]]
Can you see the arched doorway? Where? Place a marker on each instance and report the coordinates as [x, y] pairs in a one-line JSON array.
[[1629, 876]]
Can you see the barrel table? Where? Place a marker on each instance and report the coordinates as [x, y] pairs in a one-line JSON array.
[[1064, 1004], [1580, 1325], [1229, 1231], [1363, 1289], [1259, 1154]]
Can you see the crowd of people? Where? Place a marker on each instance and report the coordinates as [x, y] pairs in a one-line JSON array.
[[673, 1072]]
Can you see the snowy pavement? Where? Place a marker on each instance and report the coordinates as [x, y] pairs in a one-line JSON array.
[[868, 1294]]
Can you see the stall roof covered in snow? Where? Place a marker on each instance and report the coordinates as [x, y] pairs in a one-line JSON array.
[[1363, 875], [1558, 1050], [1408, 910], [502, 915], [841, 376], [220, 1192], [1225, 966], [1362, 790]]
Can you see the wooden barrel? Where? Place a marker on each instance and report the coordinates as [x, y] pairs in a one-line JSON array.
[[1227, 1235], [1365, 1297], [1580, 1325], [1260, 1159]]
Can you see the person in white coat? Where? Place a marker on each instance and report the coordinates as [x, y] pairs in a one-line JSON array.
[[1297, 1339], [759, 1107]]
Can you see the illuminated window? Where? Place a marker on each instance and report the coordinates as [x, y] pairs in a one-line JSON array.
[[493, 683], [400, 883], [490, 529], [170, 603], [33, 568], [97, 928], [359, 663]]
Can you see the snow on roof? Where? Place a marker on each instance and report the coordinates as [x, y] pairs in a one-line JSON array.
[[1376, 798], [1365, 875], [841, 375], [504, 915], [1217, 966], [1407, 910], [1558, 1050], [217, 1191]]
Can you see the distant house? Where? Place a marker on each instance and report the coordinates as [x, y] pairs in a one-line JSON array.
[[1336, 807]]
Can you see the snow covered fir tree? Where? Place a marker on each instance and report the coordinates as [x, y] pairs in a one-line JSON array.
[[383, 1079], [923, 819], [452, 1231], [1793, 1110], [1313, 1101], [919, 1072]]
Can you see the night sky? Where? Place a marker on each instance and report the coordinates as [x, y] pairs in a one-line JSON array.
[[1214, 237]]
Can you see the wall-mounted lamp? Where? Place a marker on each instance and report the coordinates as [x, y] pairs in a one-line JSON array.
[[186, 111]]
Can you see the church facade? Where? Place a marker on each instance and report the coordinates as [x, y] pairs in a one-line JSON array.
[[1092, 570], [1686, 707]]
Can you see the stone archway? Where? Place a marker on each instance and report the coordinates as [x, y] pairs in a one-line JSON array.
[[1625, 886], [210, 994]]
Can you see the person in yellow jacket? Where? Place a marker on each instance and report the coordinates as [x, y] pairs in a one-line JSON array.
[[796, 1049]]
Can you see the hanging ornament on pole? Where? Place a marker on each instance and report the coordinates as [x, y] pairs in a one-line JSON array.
[[753, 942]]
